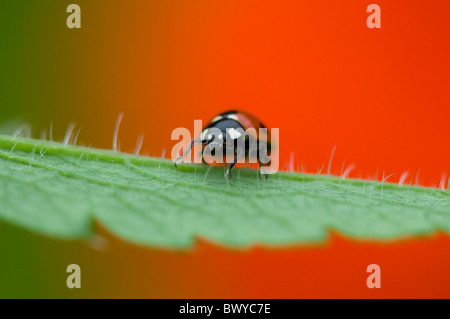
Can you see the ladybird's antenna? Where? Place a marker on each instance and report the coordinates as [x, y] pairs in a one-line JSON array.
[[236, 158], [193, 143]]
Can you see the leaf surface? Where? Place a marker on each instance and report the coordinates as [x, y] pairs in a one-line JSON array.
[[60, 190]]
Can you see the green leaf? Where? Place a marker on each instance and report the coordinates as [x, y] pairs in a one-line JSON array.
[[60, 190]]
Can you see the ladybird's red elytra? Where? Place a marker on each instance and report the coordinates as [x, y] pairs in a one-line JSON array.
[[226, 130]]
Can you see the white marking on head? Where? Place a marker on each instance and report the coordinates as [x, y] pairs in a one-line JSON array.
[[217, 118], [233, 133]]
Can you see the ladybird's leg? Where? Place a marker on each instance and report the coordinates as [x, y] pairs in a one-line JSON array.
[[236, 158], [265, 176], [263, 160], [187, 150]]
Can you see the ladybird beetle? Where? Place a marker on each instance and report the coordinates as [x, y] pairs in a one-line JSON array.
[[226, 130]]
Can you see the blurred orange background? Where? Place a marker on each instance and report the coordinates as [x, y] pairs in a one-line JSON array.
[[311, 68]]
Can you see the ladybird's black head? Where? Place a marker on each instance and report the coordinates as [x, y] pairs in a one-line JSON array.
[[221, 134], [225, 124]]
